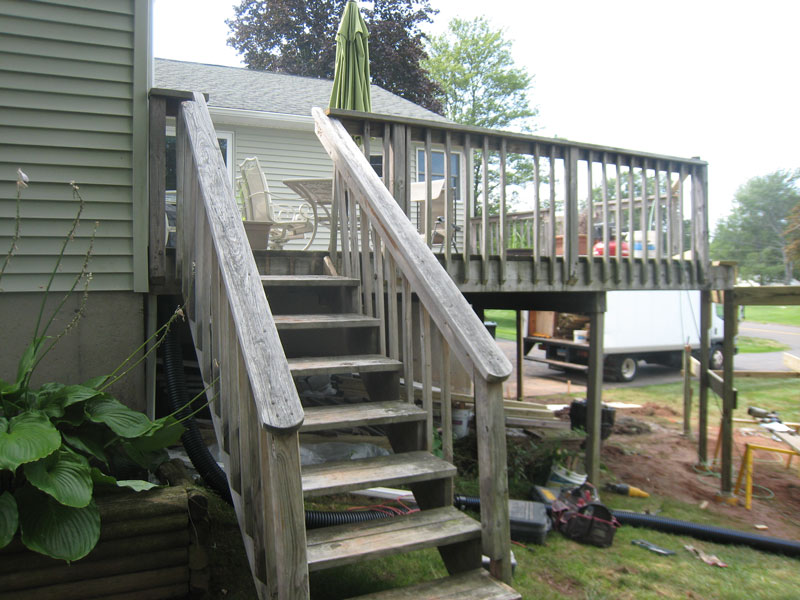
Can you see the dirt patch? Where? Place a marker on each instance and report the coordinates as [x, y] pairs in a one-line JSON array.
[[663, 462], [651, 409]]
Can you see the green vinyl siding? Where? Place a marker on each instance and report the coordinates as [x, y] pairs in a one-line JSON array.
[[73, 85]]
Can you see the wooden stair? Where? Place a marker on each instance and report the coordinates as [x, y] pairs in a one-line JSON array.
[[324, 333]]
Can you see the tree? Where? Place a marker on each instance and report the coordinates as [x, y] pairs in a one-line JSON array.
[[480, 85], [755, 233], [298, 37]]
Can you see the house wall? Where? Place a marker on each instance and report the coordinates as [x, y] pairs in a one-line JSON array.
[[73, 106]]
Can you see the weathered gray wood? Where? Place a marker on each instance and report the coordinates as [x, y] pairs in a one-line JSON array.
[[520, 358], [594, 396], [469, 199], [606, 239], [380, 296], [426, 364], [552, 208], [503, 231], [347, 263], [687, 391], [393, 327], [472, 585], [490, 423], [700, 218], [283, 514], [427, 229], [308, 281], [273, 389], [728, 396], [466, 335], [702, 428], [449, 213], [631, 219], [324, 321], [355, 255], [339, 416], [391, 470], [157, 163], [485, 242], [359, 363], [367, 273], [446, 412], [346, 544], [643, 225], [408, 339], [571, 216]]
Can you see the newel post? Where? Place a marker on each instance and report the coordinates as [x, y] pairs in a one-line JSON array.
[[491, 428]]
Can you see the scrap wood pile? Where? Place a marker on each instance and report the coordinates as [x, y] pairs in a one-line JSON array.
[[568, 322]]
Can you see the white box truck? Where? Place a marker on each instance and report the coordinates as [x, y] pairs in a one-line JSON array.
[[652, 325]]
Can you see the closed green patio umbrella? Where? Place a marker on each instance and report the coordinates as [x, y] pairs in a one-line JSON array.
[[351, 78]]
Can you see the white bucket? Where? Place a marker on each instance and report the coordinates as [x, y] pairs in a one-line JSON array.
[[580, 335], [461, 419], [560, 477]]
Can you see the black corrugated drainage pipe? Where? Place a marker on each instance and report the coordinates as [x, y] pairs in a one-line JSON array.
[[709, 533]]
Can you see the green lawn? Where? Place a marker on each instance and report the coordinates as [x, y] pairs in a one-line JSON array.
[[506, 323], [753, 345], [783, 315]]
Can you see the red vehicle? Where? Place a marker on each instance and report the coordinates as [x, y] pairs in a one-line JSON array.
[[599, 247]]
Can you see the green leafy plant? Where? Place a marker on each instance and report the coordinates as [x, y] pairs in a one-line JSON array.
[[59, 443]]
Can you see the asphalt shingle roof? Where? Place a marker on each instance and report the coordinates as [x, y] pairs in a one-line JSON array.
[[233, 87]]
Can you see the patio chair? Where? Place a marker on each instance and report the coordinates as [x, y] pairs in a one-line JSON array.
[[290, 220], [419, 192]]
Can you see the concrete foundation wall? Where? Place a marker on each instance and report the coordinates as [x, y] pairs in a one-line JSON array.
[[111, 328]]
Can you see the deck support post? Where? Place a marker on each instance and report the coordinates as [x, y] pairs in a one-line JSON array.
[[520, 358], [702, 428], [728, 395], [594, 387]]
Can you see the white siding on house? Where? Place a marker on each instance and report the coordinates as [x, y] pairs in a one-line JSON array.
[[68, 96]]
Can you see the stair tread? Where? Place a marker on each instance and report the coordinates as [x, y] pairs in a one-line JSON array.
[[327, 320], [337, 416], [471, 585], [354, 363], [346, 544], [391, 470], [308, 280]]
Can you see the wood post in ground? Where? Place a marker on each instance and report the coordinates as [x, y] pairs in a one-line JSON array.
[[702, 427], [594, 388]]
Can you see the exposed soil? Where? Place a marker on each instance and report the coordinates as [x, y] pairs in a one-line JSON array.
[[663, 462]]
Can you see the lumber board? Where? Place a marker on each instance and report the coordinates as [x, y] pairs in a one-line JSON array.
[[791, 361], [558, 363], [778, 295], [308, 281], [472, 585], [392, 470], [357, 363], [324, 321], [792, 440], [337, 416], [347, 544]]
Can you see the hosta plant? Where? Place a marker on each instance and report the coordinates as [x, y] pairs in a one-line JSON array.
[[59, 443]]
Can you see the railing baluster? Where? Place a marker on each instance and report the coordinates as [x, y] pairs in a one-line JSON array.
[[367, 274], [552, 186], [345, 219], [380, 297], [590, 203], [231, 398], [394, 329], [631, 226], [355, 255], [426, 366], [408, 341], [606, 238], [570, 215], [501, 243], [468, 200], [445, 404], [659, 251], [428, 216], [618, 219], [669, 206], [645, 226], [537, 225], [485, 210], [681, 178], [449, 201]]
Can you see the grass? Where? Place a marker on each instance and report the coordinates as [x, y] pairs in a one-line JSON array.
[[565, 569], [782, 315], [506, 323], [754, 345]]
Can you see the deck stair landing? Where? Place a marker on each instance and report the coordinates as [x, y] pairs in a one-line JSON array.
[[323, 333]]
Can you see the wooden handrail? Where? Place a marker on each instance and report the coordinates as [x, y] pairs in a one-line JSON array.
[[277, 403], [462, 329]]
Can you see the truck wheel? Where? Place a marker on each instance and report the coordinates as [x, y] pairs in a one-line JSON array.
[[626, 368], [715, 357]]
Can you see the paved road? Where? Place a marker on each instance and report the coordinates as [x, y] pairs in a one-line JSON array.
[[540, 379]]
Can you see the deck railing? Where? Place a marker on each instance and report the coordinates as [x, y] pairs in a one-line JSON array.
[[550, 199], [378, 244], [256, 409]]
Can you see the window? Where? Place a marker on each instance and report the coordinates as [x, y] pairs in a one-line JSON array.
[[376, 162], [437, 169], [225, 140]]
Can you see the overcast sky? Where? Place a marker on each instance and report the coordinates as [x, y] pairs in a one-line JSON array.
[[717, 79]]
